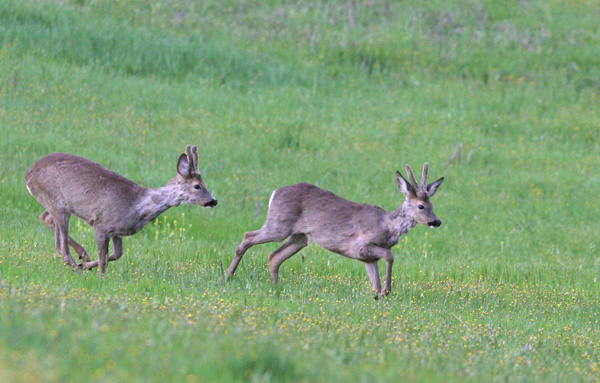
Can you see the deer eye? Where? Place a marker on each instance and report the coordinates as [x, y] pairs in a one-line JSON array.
[[197, 187], [421, 207]]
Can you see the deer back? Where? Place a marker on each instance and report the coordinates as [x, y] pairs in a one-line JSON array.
[[65, 182], [331, 221]]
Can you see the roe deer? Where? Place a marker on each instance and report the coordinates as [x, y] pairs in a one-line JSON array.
[[112, 204], [304, 212]]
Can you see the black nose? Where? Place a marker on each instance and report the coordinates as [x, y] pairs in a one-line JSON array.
[[436, 223], [212, 203]]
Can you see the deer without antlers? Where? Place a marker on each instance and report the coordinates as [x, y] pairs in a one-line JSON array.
[[112, 204], [304, 212]]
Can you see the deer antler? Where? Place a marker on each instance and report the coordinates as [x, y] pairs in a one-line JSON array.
[[195, 154], [188, 153], [411, 178], [424, 176]]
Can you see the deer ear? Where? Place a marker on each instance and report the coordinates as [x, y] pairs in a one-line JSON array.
[[433, 187], [183, 166], [404, 185]]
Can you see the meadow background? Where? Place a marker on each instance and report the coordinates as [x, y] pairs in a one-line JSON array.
[[501, 98]]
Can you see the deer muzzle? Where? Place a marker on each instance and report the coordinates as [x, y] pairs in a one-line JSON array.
[[434, 224]]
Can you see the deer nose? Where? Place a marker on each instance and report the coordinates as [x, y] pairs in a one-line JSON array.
[[434, 224], [211, 203]]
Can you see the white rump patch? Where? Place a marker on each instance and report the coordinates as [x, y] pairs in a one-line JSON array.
[[432, 227], [271, 199]]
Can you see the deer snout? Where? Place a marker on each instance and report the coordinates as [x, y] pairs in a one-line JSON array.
[[210, 204], [434, 224]]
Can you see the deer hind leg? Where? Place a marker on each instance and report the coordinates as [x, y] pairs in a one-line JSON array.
[[61, 236], [46, 217], [294, 244], [251, 238]]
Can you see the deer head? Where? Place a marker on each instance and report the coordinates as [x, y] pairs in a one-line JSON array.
[[417, 204], [193, 189]]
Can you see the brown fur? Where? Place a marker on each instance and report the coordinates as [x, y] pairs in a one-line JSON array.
[[304, 212], [113, 205]]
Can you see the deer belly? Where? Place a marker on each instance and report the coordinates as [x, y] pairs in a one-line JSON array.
[[111, 227], [390, 243], [132, 230], [123, 232], [338, 247]]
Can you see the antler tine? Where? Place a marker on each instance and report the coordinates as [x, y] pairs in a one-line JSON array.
[[195, 153], [424, 176], [188, 153], [411, 177]]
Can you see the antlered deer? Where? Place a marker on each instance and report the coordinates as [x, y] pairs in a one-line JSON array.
[[112, 204], [304, 212]]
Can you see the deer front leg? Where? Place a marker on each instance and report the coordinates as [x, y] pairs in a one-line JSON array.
[[370, 255], [373, 272], [117, 253], [117, 249], [102, 241], [388, 274]]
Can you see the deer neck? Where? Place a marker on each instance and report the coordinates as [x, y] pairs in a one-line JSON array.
[[154, 202], [399, 222]]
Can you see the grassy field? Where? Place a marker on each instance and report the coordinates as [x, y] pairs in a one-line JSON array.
[[501, 98]]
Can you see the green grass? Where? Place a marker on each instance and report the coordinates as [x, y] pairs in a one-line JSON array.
[[500, 98]]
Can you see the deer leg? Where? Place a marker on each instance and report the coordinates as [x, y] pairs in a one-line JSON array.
[[46, 217], [102, 241], [117, 253], [252, 238], [375, 253], [373, 272], [61, 235], [117, 249], [389, 262], [294, 244]]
